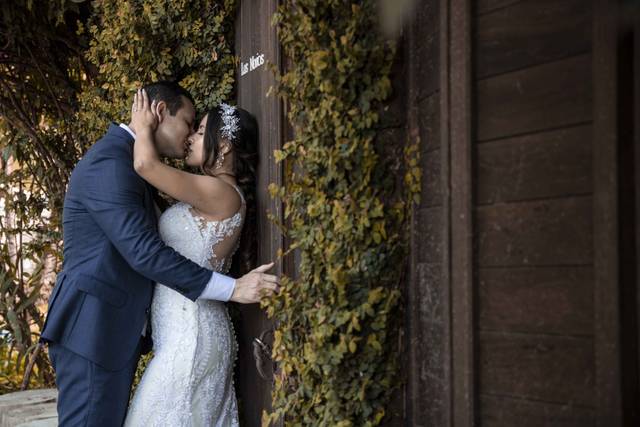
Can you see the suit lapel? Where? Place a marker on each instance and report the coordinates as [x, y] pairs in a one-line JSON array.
[[150, 191]]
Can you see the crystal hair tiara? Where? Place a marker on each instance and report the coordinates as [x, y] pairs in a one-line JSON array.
[[230, 121]]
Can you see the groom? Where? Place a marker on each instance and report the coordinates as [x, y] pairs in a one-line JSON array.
[[97, 320]]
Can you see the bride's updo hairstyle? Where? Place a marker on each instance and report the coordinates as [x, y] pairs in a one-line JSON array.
[[245, 162]]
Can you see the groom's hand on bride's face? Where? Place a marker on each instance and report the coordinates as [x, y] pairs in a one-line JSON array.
[[255, 284]]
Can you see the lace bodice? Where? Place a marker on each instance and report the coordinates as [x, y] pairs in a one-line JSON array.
[[189, 381], [211, 244]]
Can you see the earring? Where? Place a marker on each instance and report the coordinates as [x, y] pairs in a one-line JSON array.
[[219, 160]]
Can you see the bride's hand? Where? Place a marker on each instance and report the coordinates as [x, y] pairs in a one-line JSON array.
[[143, 115]]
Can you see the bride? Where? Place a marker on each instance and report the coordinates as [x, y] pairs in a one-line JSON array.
[[189, 381]]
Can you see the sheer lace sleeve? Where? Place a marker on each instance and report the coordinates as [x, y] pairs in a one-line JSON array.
[[221, 238]]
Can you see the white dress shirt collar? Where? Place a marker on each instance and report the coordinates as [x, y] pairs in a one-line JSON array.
[[128, 129]]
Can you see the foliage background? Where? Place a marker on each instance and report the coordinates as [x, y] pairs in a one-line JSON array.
[[42, 68], [336, 341]]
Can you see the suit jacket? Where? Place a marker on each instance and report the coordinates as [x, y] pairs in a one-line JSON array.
[[112, 257]]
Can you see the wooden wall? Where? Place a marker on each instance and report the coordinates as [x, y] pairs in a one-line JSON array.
[[256, 38], [513, 300], [513, 303], [427, 401], [533, 186]]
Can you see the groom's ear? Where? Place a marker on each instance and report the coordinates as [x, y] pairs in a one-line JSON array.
[[161, 110]]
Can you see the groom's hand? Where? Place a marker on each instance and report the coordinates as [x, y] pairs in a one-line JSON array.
[[255, 284]]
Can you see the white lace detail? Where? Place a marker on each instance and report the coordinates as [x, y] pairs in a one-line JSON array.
[[189, 381], [213, 232]]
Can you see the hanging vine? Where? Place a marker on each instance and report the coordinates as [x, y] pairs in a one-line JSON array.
[[337, 321]]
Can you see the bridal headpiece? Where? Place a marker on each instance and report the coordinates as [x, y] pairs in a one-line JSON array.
[[228, 130], [230, 121]]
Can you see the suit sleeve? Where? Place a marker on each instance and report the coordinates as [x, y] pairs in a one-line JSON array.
[[114, 197]]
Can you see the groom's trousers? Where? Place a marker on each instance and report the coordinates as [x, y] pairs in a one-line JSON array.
[[88, 394]]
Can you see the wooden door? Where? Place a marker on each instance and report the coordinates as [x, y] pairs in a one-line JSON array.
[[525, 247], [257, 46]]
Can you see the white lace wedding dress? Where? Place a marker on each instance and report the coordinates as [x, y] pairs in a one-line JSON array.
[[189, 381]]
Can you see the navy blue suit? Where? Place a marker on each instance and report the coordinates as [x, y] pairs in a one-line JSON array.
[[112, 257]]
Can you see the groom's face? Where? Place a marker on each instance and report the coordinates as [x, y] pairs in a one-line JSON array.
[[173, 130]]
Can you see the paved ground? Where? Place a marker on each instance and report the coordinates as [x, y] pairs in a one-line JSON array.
[[31, 408]]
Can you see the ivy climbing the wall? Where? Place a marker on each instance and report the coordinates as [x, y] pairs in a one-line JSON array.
[[139, 41], [336, 340]]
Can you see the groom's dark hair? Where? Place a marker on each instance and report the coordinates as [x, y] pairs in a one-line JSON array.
[[169, 92]]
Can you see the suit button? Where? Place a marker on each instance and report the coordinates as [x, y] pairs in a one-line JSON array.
[[147, 311]]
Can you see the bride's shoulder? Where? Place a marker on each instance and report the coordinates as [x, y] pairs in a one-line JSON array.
[[221, 198]]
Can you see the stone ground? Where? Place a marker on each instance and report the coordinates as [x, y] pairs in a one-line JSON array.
[[30, 408]]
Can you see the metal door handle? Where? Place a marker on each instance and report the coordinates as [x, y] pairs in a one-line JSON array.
[[262, 353]]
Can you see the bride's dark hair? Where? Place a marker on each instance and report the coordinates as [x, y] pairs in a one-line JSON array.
[[245, 164]]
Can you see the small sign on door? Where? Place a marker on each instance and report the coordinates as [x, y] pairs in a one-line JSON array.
[[255, 61]]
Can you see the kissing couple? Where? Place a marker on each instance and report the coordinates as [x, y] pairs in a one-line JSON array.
[[134, 279]]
